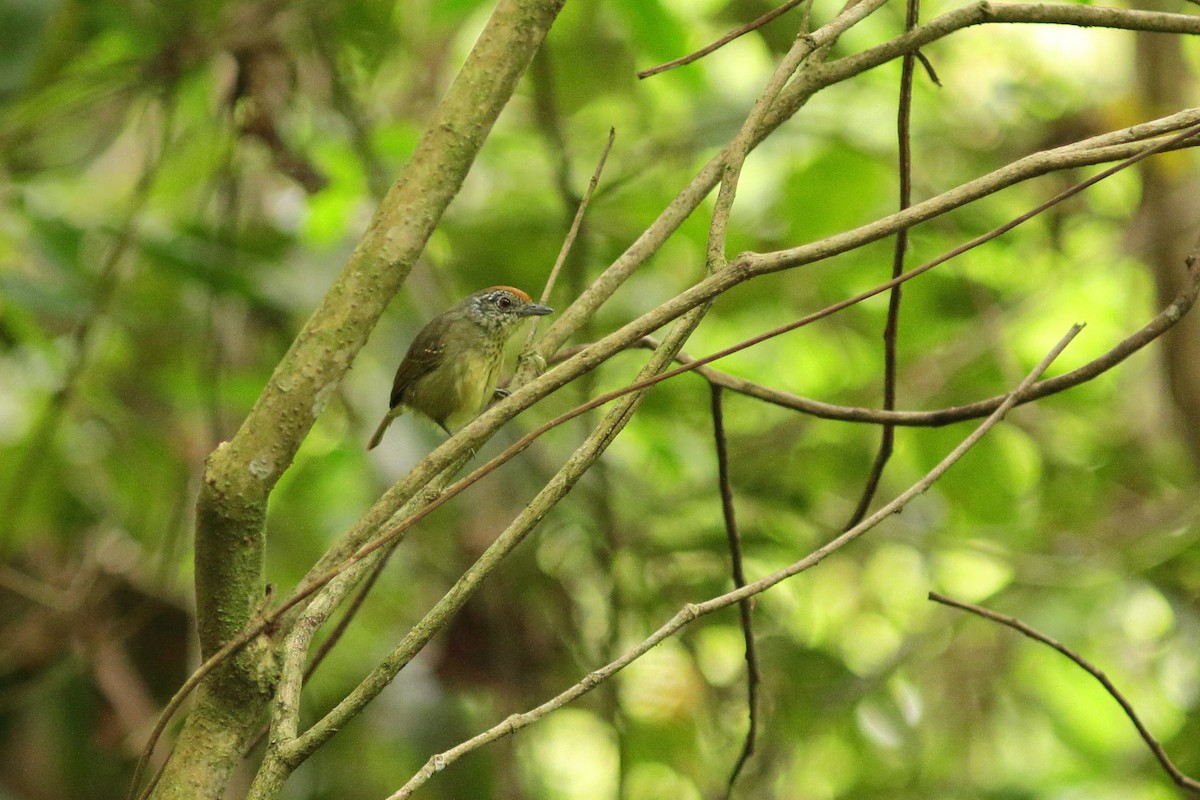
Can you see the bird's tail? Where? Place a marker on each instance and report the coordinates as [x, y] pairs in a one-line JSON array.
[[377, 436]]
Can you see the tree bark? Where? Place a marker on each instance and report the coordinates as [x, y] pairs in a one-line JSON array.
[[240, 474]]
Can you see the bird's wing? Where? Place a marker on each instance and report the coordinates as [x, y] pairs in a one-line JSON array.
[[424, 355]]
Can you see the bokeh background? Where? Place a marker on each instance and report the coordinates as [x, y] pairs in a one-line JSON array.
[[180, 182]]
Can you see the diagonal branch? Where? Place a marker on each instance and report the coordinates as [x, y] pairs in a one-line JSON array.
[[724, 40], [1181, 780], [737, 151], [364, 538], [692, 612], [815, 78], [1156, 327], [296, 750], [525, 369]]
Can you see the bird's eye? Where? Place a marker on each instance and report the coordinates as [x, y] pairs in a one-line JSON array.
[[504, 301]]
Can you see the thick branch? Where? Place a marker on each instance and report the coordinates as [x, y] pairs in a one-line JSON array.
[[242, 472]]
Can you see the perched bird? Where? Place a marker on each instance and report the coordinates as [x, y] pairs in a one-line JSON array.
[[449, 372]]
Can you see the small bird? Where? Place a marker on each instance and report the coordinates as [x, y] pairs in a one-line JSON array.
[[449, 372]]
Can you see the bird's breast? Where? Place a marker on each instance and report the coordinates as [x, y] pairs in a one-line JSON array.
[[472, 384]]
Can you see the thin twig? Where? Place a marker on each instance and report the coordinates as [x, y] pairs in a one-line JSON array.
[[891, 328], [569, 241], [692, 611], [1180, 779], [528, 362], [734, 536], [724, 40], [930, 71]]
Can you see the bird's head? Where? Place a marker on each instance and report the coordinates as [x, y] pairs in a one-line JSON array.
[[502, 307]]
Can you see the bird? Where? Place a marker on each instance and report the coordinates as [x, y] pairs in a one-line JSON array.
[[449, 372]]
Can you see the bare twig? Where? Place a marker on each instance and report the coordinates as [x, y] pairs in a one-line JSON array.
[[739, 580], [930, 71], [891, 328], [1180, 779], [724, 40], [569, 240], [691, 612], [743, 142]]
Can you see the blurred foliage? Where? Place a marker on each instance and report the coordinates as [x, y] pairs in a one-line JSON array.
[[137, 327]]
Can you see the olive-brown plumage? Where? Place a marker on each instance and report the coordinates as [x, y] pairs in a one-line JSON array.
[[449, 373]]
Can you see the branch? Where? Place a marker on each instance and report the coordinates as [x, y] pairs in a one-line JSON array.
[[813, 79], [734, 536], [525, 370], [1181, 780], [891, 328], [743, 142], [296, 751], [1156, 327], [676, 212], [692, 612], [982, 13], [358, 543], [724, 40], [285, 712], [241, 473], [375, 569]]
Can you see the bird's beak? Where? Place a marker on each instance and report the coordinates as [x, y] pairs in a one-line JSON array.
[[536, 310]]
